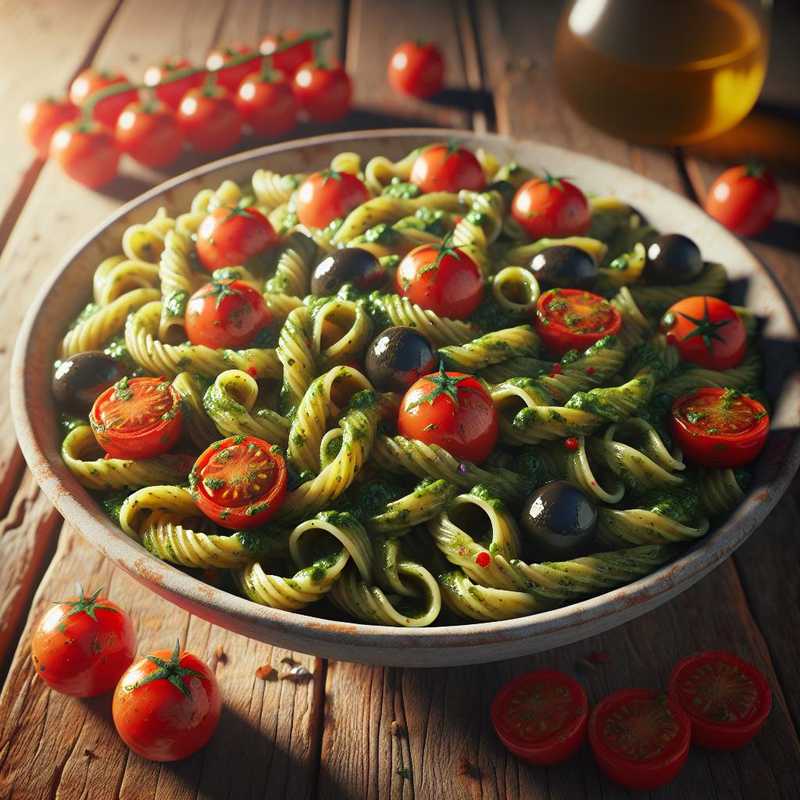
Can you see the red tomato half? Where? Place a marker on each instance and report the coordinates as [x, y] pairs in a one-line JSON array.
[[167, 705], [88, 153], [82, 646], [541, 716], [288, 61], [328, 195], [447, 168], [451, 410], [574, 319], [231, 77], [149, 133], [268, 106], [551, 207], [719, 427], [417, 69], [171, 93], [210, 120], [727, 699], [137, 418], [89, 82], [639, 737], [744, 199], [40, 118], [229, 237], [323, 92]]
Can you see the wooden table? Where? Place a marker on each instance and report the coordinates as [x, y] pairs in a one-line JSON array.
[[334, 736]]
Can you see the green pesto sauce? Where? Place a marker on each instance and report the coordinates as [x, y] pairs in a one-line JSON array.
[[491, 317], [366, 500], [485, 494], [401, 189], [176, 303], [89, 310], [112, 504], [681, 505]]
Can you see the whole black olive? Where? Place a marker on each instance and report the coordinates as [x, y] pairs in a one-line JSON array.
[[560, 521], [564, 267], [348, 265], [672, 259], [80, 378], [397, 357]]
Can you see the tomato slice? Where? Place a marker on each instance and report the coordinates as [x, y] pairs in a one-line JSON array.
[[239, 482], [541, 716], [137, 418], [719, 427], [574, 319], [640, 737]]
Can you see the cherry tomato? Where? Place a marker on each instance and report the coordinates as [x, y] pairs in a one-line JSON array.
[[210, 120], [447, 168], [90, 81], [443, 279], [290, 60], [231, 77], [82, 646], [417, 69], [551, 207], [239, 482], [167, 705], [87, 152], [226, 314], [719, 427], [328, 195], [541, 716], [706, 331], [639, 737], [171, 93], [452, 410], [137, 418], [149, 133], [744, 199], [323, 92], [40, 118], [268, 105], [726, 699], [574, 319], [231, 236]]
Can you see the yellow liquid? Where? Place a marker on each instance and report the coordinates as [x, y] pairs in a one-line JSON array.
[[661, 71]]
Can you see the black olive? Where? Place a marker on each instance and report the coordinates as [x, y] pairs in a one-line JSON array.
[[397, 357], [564, 267], [79, 379], [560, 521], [348, 265], [672, 259]]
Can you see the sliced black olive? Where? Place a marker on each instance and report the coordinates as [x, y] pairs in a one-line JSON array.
[[565, 267], [672, 259], [80, 378], [348, 265], [560, 521], [397, 357]]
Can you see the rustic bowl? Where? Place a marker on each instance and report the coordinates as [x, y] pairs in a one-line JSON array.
[[68, 290]]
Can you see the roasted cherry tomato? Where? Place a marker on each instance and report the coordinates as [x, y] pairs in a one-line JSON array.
[[226, 314], [239, 482], [719, 427], [89, 82], [328, 195], [706, 331], [541, 716], [417, 69], [87, 152], [443, 279], [83, 645], [167, 705], [324, 92], [149, 133], [288, 61], [231, 77], [137, 418], [452, 410], [726, 699], [447, 168], [40, 118], [744, 199], [210, 120], [551, 207], [573, 319], [639, 737], [267, 104], [171, 93], [231, 236]]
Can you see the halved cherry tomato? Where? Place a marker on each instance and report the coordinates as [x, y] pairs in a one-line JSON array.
[[328, 195], [551, 207], [239, 482], [171, 93], [323, 92], [447, 168], [744, 199], [574, 319], [82, 646], [443, 279], [226, 314], [167, 705], [451, 410], [417, 69], [149, 133], [719, 427], [41, 118], [267, 104], [706, 331], [640, 737], [137, 418], [89, 82], [231, 236], [726, 699], [288, 61], [210, 120], [231, 77], [541, 716], [87, 152]]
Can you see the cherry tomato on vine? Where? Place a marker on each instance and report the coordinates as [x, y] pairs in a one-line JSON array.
[[447, 168], [171, 93], [288, 61], [328, 195], [87, 152], [267, 105], [744, 199], [231, 77], [417, 69], [167, 705], [551, 207], [81, 646], [323, 92], [41, 118], [210, 120], [231, 236], [149, 133], [90, 81]]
